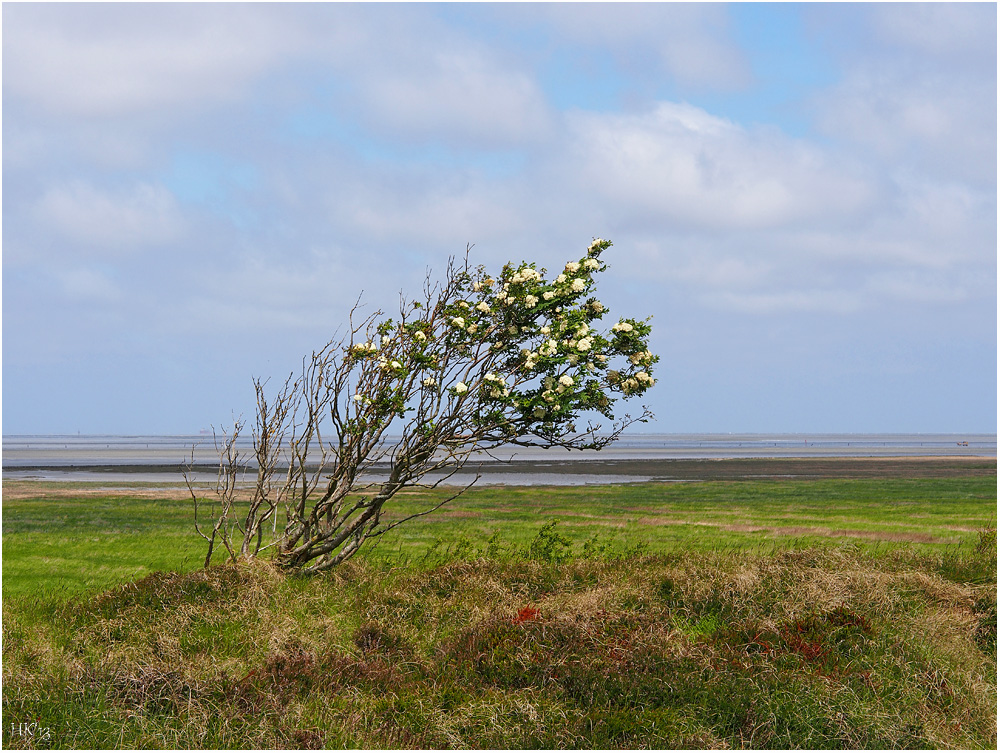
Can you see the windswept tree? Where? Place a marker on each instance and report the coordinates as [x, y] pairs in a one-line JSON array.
[[477, 362]]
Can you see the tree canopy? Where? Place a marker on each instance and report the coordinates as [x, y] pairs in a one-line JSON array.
[[477, 362]]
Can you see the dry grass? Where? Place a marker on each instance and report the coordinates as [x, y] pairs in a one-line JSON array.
[[815, 648]]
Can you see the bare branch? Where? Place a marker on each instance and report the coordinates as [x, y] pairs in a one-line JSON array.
[[480, 362]]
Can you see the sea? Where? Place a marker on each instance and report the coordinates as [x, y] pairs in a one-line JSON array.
[[160, 459]]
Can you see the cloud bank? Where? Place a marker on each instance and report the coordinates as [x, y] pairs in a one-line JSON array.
[[215, 184]]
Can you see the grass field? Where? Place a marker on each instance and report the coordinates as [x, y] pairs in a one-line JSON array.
[[837, 612], [67, 538]]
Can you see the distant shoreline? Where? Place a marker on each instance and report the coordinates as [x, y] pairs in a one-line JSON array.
[[634, 458], [584, 471]]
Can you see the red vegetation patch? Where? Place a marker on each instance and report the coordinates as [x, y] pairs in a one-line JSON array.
[[527, 614]]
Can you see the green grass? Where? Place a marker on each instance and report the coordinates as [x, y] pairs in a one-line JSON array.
[[759, 614], [707, 516], [58, 546], [60, 542], [818, 648]]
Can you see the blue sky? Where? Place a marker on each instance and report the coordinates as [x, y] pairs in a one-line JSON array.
[[803, 196]]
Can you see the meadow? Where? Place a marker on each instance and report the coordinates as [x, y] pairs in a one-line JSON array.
[[754, 613]]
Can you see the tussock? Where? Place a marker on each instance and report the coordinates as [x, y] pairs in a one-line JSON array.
[[816, 648]]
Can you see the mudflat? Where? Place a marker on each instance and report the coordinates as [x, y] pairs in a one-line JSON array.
[[139, 480], [734, 469]]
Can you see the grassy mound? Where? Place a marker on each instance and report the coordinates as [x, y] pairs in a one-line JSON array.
[[817, 648]]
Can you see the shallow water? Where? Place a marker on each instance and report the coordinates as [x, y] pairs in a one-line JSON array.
[[158, 458]]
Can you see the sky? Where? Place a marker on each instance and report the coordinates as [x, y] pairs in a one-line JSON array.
[[804, 197]]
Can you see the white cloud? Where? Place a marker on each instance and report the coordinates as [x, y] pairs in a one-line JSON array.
[[783, 301], [279, 297], [917, 286], [729, 217], [962, 32], [144, 215], [689, 41], [920, 91], [951, 224], [681, 165], [936, 123], [455, 94], [426, 212], [110, 61], [892, 216], [404, 76], [87, 285], [718, 271]]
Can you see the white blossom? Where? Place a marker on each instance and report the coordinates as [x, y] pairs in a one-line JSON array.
[[460, 388], [429, 382], [584, 344], [458, 322], [561, 279], [548, 295], [530, 300], [591, 263], [578, 285], [419, 336], [573, 266], [483, 306], [566, 380]]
